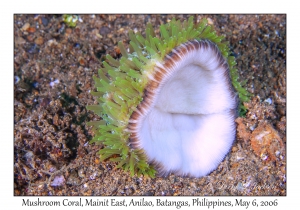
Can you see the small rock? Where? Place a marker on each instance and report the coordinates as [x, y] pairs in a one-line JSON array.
[[52, 169], [281, 125], [81, 173], [104, 30], [17, 79], [56, 120], [30, 38], [242, 132], [97, 161], [25, 27], [68, 31], [93, 176], [73, 179], [234, 149], [81, 61], [39, 40], [31, 29], [268, 100], [281, 110], [193, 185], [19, 41], [44, 102], [33, 48], [148, 193], [54, 82], [239, 186], [235, 165], [45, 21], [29, 155], [58, 181], [23, 86], [266, 142], [282, 169], [51, 42], [210, 21]]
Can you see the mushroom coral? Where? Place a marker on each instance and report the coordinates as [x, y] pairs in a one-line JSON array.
[[170, 102]]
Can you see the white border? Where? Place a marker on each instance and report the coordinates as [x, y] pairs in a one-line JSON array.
[[8, 8]]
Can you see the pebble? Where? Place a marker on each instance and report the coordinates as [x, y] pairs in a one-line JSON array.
[[239, 186], [62, 29], [193, 185], [269, 101], [149, 193], [54, 82], [44, 102], [81, 173], [45, 21], [23, 86], [93, 176], [52, 169], [28, 155], [17, 79], [35, 84], [31, 29], [282, 169], [68, 31], [234, 149], [51, 42], [39, 40], [104, 30], [58, 181], [30, 38], [266, 142], [252, 127], [210, 21], [81, 61], [281, 110], [19, 41], [73, 180], [235, 165], [25, 27], [33, 48], [97, 161]]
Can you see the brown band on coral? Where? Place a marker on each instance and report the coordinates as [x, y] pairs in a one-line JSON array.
[[223, 64]]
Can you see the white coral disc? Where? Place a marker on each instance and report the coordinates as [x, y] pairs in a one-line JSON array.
[[185, 123]]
